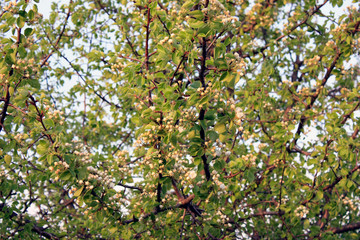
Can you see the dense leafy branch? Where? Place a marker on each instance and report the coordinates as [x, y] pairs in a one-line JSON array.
[[205, 119]]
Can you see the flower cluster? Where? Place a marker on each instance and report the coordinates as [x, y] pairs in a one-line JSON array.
[[227, 19], [25, 66], [346, 200], [122, 157], [249, 159], [356, 44], [262, 145], [189, 114], [330, 43], [117, 66], [81, 151], [119, 197], [215, 8], [101, 176], [287, 82], [145, 139], [301, 211], [11, 4], [239, 117], [216, 179], [339, 29], [56, 113], [20, 137], [61, 166], [223, 218], [165, 40], [216, 5], [239, 65], [204, 91], [312, 61], [2, 173], [191, 175]]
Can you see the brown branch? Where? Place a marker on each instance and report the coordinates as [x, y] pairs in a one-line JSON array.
[[82, 78], [132, 47], [107, 101], [5, 107], [233, 175], [346, 228], [37, 229], [315, 96], [147, 39], [202, 111], [177, 192], [59, 37], [7, 94], [182, 225], [297, 149], [187, 200], [178, 67], [130, 187], [338, 179], [40, 116], [261, 50], [129, 58], [260, 214], [346, 116], [216, 38], [164, 25], [355, 133], [122, 142]]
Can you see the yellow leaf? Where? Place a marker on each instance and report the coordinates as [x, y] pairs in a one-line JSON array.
[[11, 91], [220, 128], [7, 159], [191, 134], [222, 138], [78, 192]]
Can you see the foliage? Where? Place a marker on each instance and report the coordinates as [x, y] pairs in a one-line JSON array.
[[197, 119]]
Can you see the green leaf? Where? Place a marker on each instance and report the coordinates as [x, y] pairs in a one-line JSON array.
[[65, 175], [212, 135], [306, 224], [50, 158], [10, 57], [22, 52], [136, 120], [42, 147], [196, 24], [49, 122], [249, 175], [31, 15], [28, 32], [195, 84], [210, 115], [20, 22]]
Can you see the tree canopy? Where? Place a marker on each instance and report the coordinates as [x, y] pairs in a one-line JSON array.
[[196, 119]]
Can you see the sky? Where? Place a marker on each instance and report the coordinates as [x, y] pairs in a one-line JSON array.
[[44, 7]]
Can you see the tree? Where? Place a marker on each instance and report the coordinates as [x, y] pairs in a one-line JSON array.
[[197, 119]]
